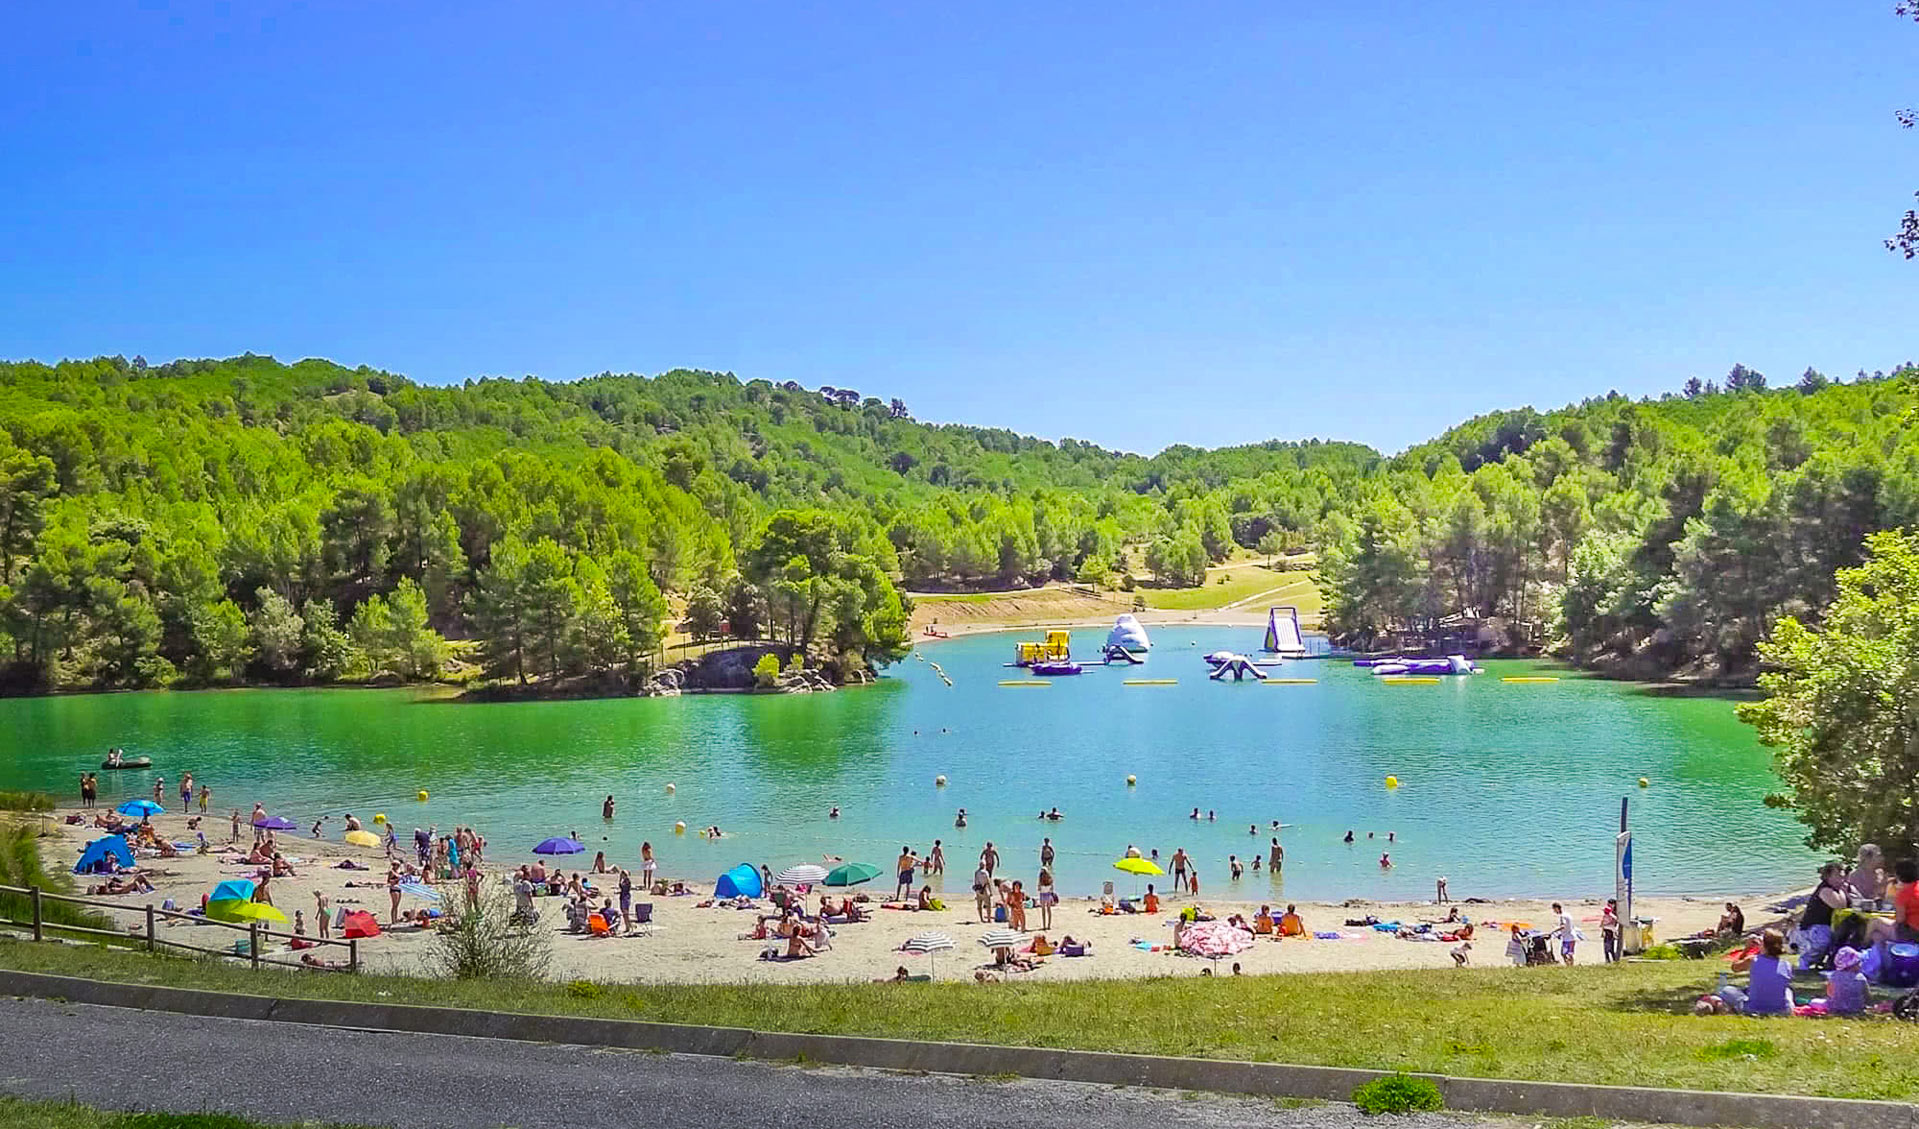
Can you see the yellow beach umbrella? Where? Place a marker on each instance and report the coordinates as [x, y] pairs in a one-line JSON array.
[[1133, 865], [238, 911], [362, 838]]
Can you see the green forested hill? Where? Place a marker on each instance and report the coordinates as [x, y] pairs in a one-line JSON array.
[[212, 520]]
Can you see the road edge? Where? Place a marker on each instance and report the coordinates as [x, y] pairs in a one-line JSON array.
[[1276, 1080]]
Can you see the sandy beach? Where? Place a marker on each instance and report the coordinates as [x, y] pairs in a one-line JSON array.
[[693, 944]]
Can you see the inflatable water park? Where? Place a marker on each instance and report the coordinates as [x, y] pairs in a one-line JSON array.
[[1398, 667], [1127, 641], [1283, 636]]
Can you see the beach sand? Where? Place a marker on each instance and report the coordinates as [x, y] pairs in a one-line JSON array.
[[691, 944]]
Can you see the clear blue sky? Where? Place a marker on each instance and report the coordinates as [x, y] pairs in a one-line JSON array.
[[1136, 224]]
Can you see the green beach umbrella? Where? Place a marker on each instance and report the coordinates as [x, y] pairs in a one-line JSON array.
[[852, 874]]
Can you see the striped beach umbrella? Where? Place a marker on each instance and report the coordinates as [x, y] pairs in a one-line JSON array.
[[929, 943], [805, 874], [1001, 938]]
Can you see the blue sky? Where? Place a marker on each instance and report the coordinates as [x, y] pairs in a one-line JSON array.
[[1136, 224]]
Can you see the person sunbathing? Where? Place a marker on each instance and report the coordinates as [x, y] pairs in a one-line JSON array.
[[282, 868]]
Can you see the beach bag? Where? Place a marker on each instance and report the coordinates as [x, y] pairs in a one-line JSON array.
[[1902, 965]]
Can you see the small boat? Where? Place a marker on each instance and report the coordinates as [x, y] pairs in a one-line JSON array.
[[1063, 667], [115, 760]]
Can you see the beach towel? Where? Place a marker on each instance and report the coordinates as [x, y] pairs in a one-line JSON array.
[[1327, 936]]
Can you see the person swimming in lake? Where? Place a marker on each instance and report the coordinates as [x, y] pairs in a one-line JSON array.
[[834, 814], [960, 819], [1053, 815], [606, 808], [1195, 814], [1385, 861], [1349, 837]]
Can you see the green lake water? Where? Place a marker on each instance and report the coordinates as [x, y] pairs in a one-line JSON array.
[[1505, 788]]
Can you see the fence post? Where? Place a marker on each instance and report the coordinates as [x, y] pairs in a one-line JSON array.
[[149, 926], [253, 943], [353, 954], [39, 931]]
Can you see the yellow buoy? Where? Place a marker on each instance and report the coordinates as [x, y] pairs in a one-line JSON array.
[[422, 796], [1408, 680], [1529, 678], [1131, 780], [679, 828], [1024, 682], [379, 817], [939, 781], [1392, 782], [1644, 783], [1150, 682]]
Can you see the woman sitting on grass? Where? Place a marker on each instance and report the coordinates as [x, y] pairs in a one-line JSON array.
[[1769, 983]]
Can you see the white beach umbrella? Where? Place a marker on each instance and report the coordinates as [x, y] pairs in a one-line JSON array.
[[805, 874], [928, 943], [1001, 938]]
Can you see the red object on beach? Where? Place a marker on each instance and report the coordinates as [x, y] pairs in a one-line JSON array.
[[360, 923]]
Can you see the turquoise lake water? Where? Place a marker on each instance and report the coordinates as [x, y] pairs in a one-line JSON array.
[[1505, 788]]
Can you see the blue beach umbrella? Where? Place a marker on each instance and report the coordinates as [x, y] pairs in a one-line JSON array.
[[559, 845], [110, 845], [232, 890], [140, 808]]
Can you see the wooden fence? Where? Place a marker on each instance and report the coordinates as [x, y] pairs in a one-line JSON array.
[[148, 932]]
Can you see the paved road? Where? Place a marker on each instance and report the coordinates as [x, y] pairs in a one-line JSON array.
[[121, 1059]]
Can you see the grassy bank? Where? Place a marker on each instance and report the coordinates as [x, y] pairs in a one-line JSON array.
[[1229, 586], [20, 865], [1625, 1025], [18, 1113]]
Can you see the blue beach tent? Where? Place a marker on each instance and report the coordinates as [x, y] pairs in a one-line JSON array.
[[100, 849], [743, 881]]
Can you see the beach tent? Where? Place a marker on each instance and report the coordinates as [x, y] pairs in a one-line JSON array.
[[359, 923], [743, 881], [114, 846]]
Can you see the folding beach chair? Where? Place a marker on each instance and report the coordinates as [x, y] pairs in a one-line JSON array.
[[643, 918]]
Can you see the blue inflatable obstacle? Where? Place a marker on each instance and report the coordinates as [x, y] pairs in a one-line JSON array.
[[743, 881]]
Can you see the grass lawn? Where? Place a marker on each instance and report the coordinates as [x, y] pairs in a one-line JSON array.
[[18, 1113], [1241, 583], [1625, 1025]]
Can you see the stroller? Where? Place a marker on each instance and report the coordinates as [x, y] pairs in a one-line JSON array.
[[1539, 949]]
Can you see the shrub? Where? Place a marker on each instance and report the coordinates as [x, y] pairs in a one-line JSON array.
[[766, 672], [583, 989], [484, 943], [25, 801], [1398, 1093]]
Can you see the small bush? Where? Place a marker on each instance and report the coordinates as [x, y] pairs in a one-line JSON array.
[[25, 801], [766, 672], [583, 989], [483, 943], [1398, 1093], [1663, 952]]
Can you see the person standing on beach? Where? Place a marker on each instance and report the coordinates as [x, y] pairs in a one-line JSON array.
[[1439, 891], [186, 793], [393, 893], [626, 899], [1179, 869], [646, 864], [1047, 898], [936, 859], [160, 790], [1609, 931], [983, 893], [907, 861], [320, 913], [1567, 933], [989, 859]]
